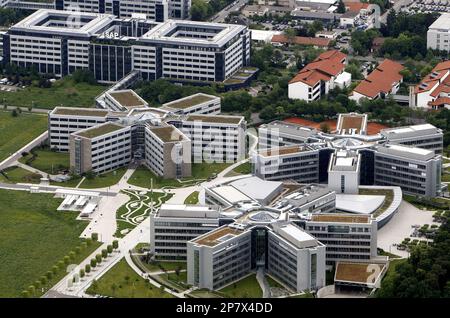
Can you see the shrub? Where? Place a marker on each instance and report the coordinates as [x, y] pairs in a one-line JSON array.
[[88, 241], [66, 260], [93, 263], [55, 269], [49, 275], [77, 250], [37, 284], [43, 280], [104, 253], [82, 273], [87, 268], [109, 248], [94, 237], [72, 255], [98, 258], [25, 294], [115, 244]]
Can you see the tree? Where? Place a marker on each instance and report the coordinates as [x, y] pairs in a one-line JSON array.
[[115, 244], [88, 241], [341, 7], [82, 273], [31, 289], [267, 113], [84, 76], [49, 275], [290, 35], [14, 113], [87, 268], [109, 248], [94, 237], [55, 269], [98, 258], [199, 10], [66, 260], [93, 263], [72, 255], [43, 280], [104, 253]]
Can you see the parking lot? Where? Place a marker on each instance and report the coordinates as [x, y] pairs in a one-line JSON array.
[[428, 6]]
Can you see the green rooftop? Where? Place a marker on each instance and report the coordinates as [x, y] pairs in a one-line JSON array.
[[80, 112], [387, 193], [189, 101], [215, 119], [167, 134], [127, 98], [99, 130]]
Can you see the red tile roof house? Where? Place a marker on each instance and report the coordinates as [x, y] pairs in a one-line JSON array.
[[318, 77], [383, 81], [434, 90]]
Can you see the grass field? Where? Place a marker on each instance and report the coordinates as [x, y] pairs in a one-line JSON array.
[[245, 288], [16, 132], [63, 92], [122, 282], [47, 161], [200, 171], [19, 175], [167, 266], [104, 180], [33, 238], [245, 168], [192, 198]]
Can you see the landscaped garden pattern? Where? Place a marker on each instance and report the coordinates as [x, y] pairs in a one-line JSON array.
[[137, 209]]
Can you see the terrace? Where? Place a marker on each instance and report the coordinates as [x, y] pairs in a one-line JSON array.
[[283, 151]]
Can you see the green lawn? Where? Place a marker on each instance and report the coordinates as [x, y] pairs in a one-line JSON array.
[[245, 288], [16, 132], [245, 168], [47, 161], [104, 180], [200, 171], [33, 238], [63, 92], [19, 175], [192, 198], [273, 283], [168, 266], [122, 282]]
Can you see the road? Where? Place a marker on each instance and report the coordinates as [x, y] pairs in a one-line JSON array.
[[220, 17]]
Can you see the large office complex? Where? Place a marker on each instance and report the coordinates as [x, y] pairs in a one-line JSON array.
[[60, 42], [408, 157], [231, 252], [167, 139]]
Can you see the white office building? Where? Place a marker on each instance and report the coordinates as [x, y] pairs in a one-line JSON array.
[[174, 225], [199, 104], [438, 35], [347, 237], [100, 149], [344, 172], [216, 138], [63, 121]]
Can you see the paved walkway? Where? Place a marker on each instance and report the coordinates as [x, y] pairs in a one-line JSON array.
[[399, 227], [263, 283]]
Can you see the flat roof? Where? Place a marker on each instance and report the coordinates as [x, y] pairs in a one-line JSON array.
[[214, 237], [187, 211], [358, 272], [231, 194], [220, 119], [79, 112], [340, 218], [128, 98], [294, 235], [190, 101], [282, 151], [168, 134], [407, 152], [100, 130], [257, 188]]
